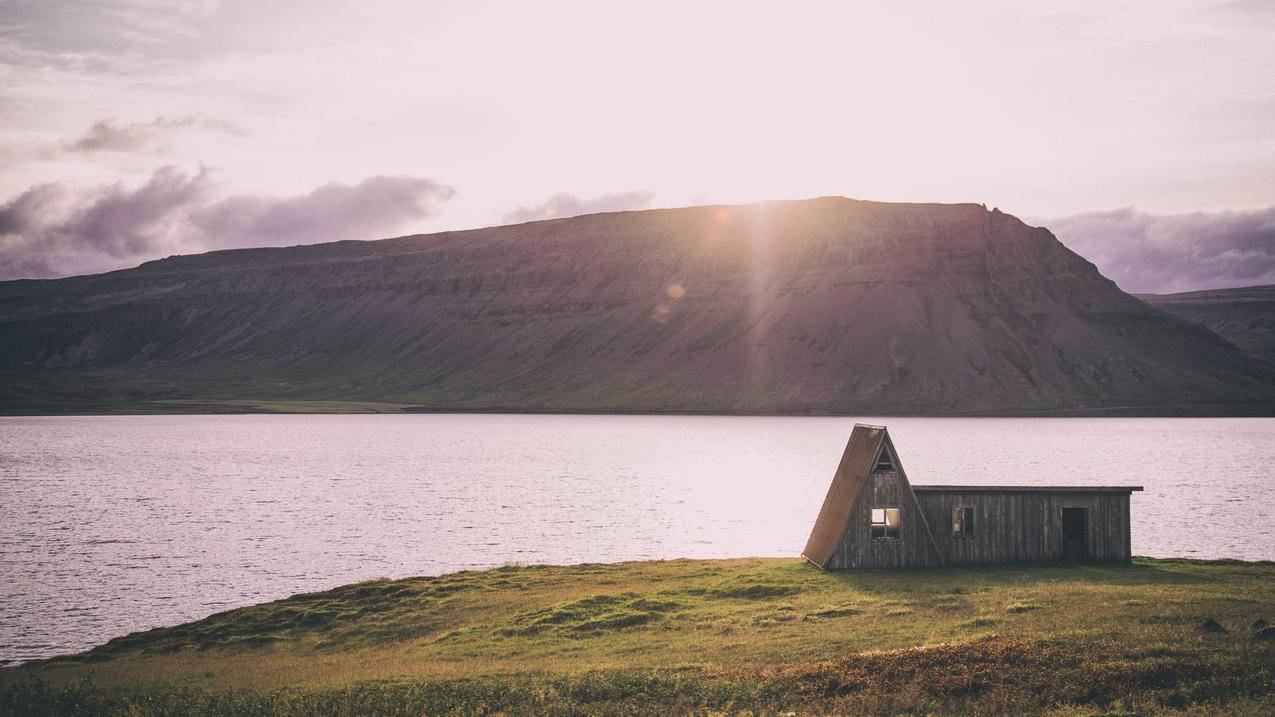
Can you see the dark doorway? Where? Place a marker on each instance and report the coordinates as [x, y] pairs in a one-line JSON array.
[[1075, 533]]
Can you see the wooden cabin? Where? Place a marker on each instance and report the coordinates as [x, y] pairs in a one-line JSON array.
[[873, 517]]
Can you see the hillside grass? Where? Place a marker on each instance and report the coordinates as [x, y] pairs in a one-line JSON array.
[[691, 637]]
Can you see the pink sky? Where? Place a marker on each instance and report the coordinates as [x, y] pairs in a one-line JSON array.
[[490, 110]]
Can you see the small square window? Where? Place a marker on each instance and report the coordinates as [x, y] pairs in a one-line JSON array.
[[963, 522], [885, 524]]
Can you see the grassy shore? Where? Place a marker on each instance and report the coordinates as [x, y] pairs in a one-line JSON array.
[[693, 637]]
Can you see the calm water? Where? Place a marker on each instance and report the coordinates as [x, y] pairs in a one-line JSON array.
[[114, 524]]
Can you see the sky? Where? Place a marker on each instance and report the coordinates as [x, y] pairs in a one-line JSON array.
[[1142, 133]]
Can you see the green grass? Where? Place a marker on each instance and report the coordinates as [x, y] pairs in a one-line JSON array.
[[767, 635]]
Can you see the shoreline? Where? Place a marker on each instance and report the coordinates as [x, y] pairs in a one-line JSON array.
[[267, 407]]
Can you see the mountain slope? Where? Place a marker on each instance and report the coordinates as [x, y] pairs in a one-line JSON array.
[[825, 305], [1243, 316]]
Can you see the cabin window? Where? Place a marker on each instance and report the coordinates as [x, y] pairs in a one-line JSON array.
[[885, 523], [883, 461], [963, 521]]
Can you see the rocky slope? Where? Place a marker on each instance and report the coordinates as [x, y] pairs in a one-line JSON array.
[[1244, 316], [824, 305]]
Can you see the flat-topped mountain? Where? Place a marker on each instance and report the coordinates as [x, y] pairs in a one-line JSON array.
[[819, 306], [1243, 316]]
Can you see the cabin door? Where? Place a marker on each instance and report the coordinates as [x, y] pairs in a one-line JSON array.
[[1075, 533]]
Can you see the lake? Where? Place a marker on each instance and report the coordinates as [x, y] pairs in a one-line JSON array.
[[114, 524]]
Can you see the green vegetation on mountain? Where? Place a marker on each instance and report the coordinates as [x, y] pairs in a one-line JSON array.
[[694, 637]]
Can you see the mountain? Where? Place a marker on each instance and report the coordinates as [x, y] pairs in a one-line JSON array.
[[1245, 316], [827, 305]]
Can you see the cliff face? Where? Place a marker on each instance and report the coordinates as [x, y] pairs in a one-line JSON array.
[[825, 305], [1243, 316]]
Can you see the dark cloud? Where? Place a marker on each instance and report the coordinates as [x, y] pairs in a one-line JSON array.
[[53, 230], [370, 209], [1149, 253], [110, 135], [568, 205]]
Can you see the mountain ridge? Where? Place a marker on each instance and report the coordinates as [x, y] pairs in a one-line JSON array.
[[827, 305], [1243, 315]]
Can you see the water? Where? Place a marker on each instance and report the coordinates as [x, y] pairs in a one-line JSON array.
[[110, 525]]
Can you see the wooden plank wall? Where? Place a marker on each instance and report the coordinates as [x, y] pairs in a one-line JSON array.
[[1026, 527], [857, 549], [1009, 527]]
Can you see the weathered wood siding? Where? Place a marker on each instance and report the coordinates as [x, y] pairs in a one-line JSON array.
[[857, 548], [1009, 527], [1026, 527]]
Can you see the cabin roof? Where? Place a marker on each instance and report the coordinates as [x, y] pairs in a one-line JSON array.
[[1026, 488], [855, 467]]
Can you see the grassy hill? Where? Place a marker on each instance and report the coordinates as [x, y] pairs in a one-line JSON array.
[[770, 635]]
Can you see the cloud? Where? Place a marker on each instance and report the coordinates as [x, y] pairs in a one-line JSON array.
[[110, 135], [54, 230], [569, 205], [1149, 253], [370, 209]]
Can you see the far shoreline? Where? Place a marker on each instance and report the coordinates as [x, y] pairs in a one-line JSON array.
[[199, 407]]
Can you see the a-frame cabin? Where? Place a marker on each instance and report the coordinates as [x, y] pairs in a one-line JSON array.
[[873, 517], [870, 517]]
